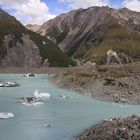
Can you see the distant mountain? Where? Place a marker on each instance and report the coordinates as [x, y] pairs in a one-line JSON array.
[[20, 47], [33, 28], [88, 34]]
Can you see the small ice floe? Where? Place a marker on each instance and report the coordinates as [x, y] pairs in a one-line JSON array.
[[33, 103], [1, 84], [109, 119], [47, 125], [35, 100], [30, 101], [8, 84], [29, 75], [6, 115], [64, 97], [41, 94]]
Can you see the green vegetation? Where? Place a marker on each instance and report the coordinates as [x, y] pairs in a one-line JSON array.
[[3, 51], [109, 81], [78, 79], [101, 69], [51, 52]]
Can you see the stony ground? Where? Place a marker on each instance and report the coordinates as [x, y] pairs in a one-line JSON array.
[[107, 83], [114, 129], [39, 70]]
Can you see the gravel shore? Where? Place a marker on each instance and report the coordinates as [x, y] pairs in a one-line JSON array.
[[114, 129], [119, 84], [22, 70], [116, 84]]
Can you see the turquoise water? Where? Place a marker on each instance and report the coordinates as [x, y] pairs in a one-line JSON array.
[[67, 117]]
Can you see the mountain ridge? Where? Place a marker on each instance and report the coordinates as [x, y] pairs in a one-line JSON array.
[[23, 48], [82, 31]]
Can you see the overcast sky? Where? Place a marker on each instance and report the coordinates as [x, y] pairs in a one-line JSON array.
[[39, 11]]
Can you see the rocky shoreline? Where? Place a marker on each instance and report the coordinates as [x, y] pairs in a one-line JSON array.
[[119, 84], [114, 129]]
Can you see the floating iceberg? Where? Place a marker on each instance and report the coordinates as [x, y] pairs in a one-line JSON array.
[[35, 100], [41, 94], [8, 84], [30, 101], [47, 125], [32, 104], [6, 115], [29, 75]]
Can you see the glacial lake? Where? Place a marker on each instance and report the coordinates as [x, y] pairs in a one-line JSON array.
[[67, 117]]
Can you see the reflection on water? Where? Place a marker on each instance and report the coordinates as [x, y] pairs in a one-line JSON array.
[[58, 118]]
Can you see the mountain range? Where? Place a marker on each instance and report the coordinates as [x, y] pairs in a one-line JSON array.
[[87, 34], [83, 34], [20, 47]]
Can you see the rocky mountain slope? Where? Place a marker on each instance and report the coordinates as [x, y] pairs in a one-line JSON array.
[[88, 34], [20, 47]]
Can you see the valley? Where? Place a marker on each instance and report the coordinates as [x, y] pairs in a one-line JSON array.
[[86, 62]]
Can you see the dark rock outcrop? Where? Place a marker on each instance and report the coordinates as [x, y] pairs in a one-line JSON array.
[[23, 54]]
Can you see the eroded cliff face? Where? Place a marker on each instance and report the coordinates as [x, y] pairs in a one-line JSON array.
[[23, 53]]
